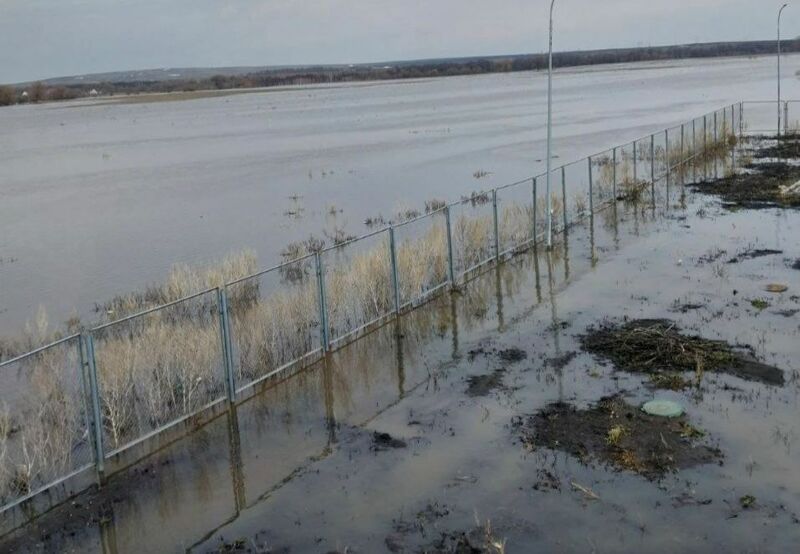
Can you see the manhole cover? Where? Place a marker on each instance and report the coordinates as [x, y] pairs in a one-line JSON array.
[[663, 408]]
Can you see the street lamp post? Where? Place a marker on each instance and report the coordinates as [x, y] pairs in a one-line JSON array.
[[550, 128], [779, 66]]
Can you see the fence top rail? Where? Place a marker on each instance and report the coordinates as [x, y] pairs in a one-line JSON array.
[[153, 309], [273, 268], [422, 216], [516, 184], [354, 239], [39, 350]]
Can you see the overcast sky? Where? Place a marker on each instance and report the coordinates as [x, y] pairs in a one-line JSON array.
[[48, 38]]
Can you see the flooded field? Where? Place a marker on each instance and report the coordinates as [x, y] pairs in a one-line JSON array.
[[102, 198], [506, 417]]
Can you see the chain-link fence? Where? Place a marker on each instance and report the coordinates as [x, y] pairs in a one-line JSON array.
[[75, 405]]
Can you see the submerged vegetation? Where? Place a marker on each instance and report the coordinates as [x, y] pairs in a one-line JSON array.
[[168, 363]]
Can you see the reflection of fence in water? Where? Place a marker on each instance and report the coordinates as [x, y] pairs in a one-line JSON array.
[[134, 378]]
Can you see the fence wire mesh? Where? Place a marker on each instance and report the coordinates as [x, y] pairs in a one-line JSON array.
[[158, 367]]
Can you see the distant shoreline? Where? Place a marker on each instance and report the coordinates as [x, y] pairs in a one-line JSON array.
[[180, 84]]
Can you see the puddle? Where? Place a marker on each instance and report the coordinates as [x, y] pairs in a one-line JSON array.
[[659, 347], [314, 463], [621, 435]]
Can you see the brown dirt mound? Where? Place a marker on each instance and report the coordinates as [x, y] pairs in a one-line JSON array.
[[620, 435], [658, 347]]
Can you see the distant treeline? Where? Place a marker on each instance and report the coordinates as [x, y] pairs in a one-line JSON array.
[[395, 70]]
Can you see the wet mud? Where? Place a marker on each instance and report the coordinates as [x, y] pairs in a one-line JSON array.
[[753, 253], [659, 348], [620, 435], [784, 147], [758, 188], [483, 385]]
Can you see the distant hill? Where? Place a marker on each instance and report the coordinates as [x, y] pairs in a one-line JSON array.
[[192, 79]]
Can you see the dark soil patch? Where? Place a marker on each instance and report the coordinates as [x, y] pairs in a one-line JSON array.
[[759, 188], [560, 362], [620, 435], [786, 147], [787, 313], [686, 308], [482, 385], [753, 253], [477, 541], [711, 257], [546, 481], [512, 355], [656, 346], [385, 441], [508, 355]]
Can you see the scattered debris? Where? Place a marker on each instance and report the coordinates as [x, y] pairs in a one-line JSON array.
[[776, 288], [585, 490], [747, 501], [658, 345], [752, 254]]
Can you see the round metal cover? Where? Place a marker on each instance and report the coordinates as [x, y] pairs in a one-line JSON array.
[[663, 408]]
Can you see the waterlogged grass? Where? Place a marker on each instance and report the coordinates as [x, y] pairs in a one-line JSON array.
[[168, 363]]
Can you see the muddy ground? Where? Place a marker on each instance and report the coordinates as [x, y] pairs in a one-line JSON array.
[[761, 186], [619, 434], [481, 423]]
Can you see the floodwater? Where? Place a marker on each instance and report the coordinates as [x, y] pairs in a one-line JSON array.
[[297, 468], [101, 198]]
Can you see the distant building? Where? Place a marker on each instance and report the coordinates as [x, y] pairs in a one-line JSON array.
[[94, 92], [25, 94]]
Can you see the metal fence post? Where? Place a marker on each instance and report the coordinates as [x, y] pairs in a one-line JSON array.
[[694, 138], [450, 264], [716, 137], [614, 174], [682, 145], [785, 118], [591, 188], [395, 280], [635, 175], [652, 159], [535, 207], [741, 119], [323, 307], [666, 151], [496, 226], [564, 195], [227, 348], [724, 122], [90, 364], [705, 134]]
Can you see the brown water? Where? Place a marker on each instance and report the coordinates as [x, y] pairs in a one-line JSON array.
[[99, 199], [295, 469]]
